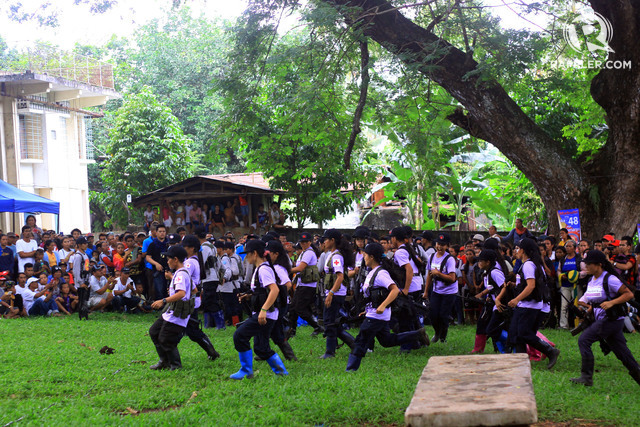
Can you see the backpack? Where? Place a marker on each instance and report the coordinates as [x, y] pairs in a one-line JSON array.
[[377, 294], [541, 292], [420, 264], [261, 293], [443, 264], [617, 310], [398, 274]]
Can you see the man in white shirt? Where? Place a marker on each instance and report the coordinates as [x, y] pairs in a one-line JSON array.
[[26, 248], [122, 292]]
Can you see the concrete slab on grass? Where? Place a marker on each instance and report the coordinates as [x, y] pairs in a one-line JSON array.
[[479, 390]]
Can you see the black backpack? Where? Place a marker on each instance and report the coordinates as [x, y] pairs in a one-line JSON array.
[[398, 274], [261, 292], [443, 264]]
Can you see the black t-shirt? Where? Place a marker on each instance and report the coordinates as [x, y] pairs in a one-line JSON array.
[[217, 217], [156, 248]]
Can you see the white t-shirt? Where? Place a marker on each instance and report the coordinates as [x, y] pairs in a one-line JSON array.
[[28, 298], [22, 246], [96, 284], [121, 287], [148, 216]]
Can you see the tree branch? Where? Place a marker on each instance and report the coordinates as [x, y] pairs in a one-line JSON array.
[[364, 88]]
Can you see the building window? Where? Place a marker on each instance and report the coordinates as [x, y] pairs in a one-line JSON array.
[[88, 134], [31, 136]]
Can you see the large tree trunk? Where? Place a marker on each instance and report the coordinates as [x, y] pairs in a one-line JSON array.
[[605, 203]]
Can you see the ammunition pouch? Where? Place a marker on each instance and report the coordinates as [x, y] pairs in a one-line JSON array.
[[329, 280], [182, 309], [310, 274], [377, 296], [258, 298]]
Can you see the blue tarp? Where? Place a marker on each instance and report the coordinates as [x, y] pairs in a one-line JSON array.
[[13, 199]]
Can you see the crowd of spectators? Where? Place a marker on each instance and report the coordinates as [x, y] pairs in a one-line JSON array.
[[126, 272]]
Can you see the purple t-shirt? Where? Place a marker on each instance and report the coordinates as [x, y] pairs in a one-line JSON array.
[[595, 293], [498, 277], [337, 263], [180, 282], [440, 286], [193, 267], [383, 280], [266, 278], [529, 272], [309, 257], [402, 258]]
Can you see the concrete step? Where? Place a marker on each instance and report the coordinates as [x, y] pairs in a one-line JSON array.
[[478, 390]]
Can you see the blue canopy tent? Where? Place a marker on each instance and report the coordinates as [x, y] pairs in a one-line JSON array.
[[13, 199]]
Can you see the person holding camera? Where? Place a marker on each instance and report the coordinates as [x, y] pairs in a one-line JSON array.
[[100, 288], [606, 299]]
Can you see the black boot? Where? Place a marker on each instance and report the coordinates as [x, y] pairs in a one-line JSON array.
[[162, 362], [291, 333], [635, 374], [548, 350], [287, 351], [347, 338], [173, 357], [586, 373], [207, 346]]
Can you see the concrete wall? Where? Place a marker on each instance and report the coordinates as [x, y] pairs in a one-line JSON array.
[[60, 176]]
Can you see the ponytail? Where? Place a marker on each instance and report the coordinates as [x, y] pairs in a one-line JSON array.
[[346, 251]]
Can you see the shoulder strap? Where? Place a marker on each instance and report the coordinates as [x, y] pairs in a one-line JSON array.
[[605, 285]]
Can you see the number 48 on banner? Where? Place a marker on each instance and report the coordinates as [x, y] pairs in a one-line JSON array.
[[570, 219]]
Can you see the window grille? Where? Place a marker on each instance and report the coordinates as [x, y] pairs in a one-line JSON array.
[[31, 136], [88, 134]]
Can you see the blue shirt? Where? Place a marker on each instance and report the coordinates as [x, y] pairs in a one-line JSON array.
[[239, 249], [145, 248], [6, 260]]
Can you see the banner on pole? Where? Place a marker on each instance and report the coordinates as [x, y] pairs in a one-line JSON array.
[[570, 219]]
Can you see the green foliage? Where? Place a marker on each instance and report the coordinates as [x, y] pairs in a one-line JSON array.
[[290, 113], [79, 386], [147, 150]]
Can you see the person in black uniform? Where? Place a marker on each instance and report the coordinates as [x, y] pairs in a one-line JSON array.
[[528, 302], [264, 284], [605, 299], [169, 329], [195, 267]]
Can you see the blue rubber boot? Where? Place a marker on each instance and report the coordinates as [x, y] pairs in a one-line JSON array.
[[353, 363], [276, 365], [246, 366], [218, 317], [208, 321], [501, 345]]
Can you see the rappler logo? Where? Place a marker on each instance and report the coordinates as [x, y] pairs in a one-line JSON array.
[[585, 26]]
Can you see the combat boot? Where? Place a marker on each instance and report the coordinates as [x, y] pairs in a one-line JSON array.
[[287, 351], [162, 362], [635, 374], [353, 363], [174, 360], [207, 346]]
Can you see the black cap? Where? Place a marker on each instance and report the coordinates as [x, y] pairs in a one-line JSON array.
[[408, 231], [332, 233], [399, 233], [305, 237], [219, 244], [229, 245], [173, 239], [487, 255], [82, 241], [200, 232], [427, 235], [492, 243], [55, 268], [125, 270], [443, 238], [254, 245], [595, 257], [252, 237], [191, 241], [374, 236], [275, 246], [375, 250], [176, 251], [361, 233], [269, 237], [274, 234]]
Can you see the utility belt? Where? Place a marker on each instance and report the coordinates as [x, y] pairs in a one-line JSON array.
[[234, 277], [182, 309], [618, 310]]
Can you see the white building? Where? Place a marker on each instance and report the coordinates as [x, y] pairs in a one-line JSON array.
[[45, 137]]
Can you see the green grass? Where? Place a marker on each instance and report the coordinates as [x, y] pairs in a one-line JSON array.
[[53, 374]]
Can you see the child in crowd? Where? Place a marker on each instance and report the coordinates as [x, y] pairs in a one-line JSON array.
[[118, 257], [142, 305], [66, 301]]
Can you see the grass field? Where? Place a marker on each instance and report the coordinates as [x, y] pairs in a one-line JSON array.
[[53, 374]]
